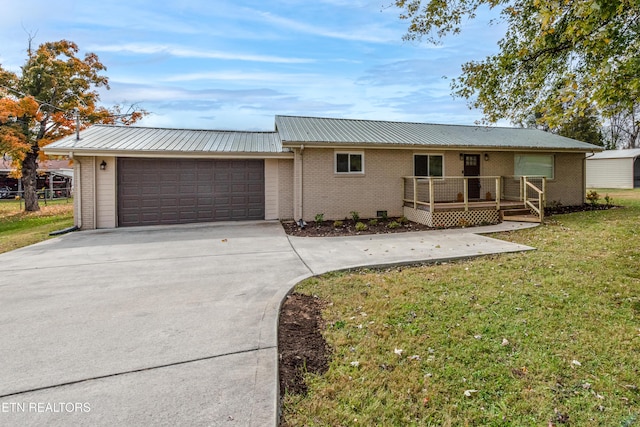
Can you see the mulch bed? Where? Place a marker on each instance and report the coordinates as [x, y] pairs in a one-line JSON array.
[[348, 228]]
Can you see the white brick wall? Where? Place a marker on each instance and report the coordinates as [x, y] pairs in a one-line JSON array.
[[84, 168]]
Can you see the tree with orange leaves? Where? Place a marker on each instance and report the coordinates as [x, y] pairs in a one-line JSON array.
[[40, 106]]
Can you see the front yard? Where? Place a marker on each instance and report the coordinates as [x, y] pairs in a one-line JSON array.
[[543, 338]]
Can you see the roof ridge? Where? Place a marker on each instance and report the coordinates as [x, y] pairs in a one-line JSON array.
[[401, 122], [182, 129]]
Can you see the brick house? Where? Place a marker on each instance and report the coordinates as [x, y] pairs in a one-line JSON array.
[[441, 175]]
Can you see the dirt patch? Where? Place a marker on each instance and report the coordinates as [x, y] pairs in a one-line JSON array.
[[301, 345]]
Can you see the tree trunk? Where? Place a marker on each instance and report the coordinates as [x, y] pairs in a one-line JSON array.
[[29, 181]]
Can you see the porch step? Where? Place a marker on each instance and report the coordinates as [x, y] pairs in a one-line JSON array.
[[522, 218], [522, 215]]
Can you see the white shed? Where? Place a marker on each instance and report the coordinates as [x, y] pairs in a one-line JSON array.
[[614, 169]]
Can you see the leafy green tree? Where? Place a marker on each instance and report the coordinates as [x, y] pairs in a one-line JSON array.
[[560, 58], [42, 104], [586, 128]]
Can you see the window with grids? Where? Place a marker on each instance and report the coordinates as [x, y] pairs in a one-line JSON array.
[[350, 163], [428, 165]]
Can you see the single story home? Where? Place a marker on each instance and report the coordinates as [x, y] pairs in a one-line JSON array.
[[614, 169], [440, 175]]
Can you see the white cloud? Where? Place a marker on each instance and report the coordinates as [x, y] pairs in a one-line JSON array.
[[243, 77], [363, 33], [182, 52]]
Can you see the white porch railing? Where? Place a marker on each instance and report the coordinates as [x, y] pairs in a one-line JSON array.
[[465, 192]]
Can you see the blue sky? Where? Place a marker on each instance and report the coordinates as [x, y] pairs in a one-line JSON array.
[[219, 64]]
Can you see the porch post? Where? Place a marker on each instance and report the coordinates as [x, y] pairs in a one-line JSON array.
[[498, 193], [466, 194], [544, 192], [432, 195], [415, 193]]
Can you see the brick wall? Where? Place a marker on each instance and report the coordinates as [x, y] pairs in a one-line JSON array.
[[336, 195], [380, 186], [84, 168], [285, 188], [568, 187]]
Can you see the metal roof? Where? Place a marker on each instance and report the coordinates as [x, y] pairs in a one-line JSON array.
[[366, 132], [309, 130], [139, 139], [616, 154]]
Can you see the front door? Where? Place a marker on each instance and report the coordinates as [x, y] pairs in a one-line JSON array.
[[472, 168]]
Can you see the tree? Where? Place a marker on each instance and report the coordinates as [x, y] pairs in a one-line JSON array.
[[560, 58], [586, 127], [623, 130], [40, 106]]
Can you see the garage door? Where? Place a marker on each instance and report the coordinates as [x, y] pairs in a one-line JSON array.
[[166, 191]]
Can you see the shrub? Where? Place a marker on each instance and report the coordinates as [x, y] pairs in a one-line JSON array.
[[373, 222], [393, 224], [319, 218], [337, 224], [403, 220], [593, 197], [608, 201], [360, 226], [384, 217], [355, 216]]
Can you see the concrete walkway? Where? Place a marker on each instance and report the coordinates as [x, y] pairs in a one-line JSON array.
[[171, 325]]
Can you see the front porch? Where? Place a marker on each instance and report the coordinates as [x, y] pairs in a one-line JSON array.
[[464, 201]]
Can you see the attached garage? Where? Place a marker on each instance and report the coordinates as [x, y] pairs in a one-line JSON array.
[[134, 176], [177, 191]]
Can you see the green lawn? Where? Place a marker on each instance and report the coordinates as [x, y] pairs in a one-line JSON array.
[[19, 228], [548, 337]]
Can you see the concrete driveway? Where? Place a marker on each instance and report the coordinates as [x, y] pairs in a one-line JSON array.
[[169, 325]]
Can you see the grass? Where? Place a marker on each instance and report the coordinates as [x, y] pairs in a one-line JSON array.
[[19, 228], [542, 338]]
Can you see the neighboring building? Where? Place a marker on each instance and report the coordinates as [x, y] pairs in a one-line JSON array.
[[129, 176], [614, 169], [55, 179]]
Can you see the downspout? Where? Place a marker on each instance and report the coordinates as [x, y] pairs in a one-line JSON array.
[[301, 181], [78, 189], [584, 176], [95, 187]]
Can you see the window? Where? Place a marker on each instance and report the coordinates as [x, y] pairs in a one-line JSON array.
[[534, 165], [428, 165], [349, 163]]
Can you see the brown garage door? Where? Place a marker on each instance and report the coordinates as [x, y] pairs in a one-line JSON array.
[[166, 191]]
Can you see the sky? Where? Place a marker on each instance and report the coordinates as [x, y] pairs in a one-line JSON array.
[[222, 64]]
